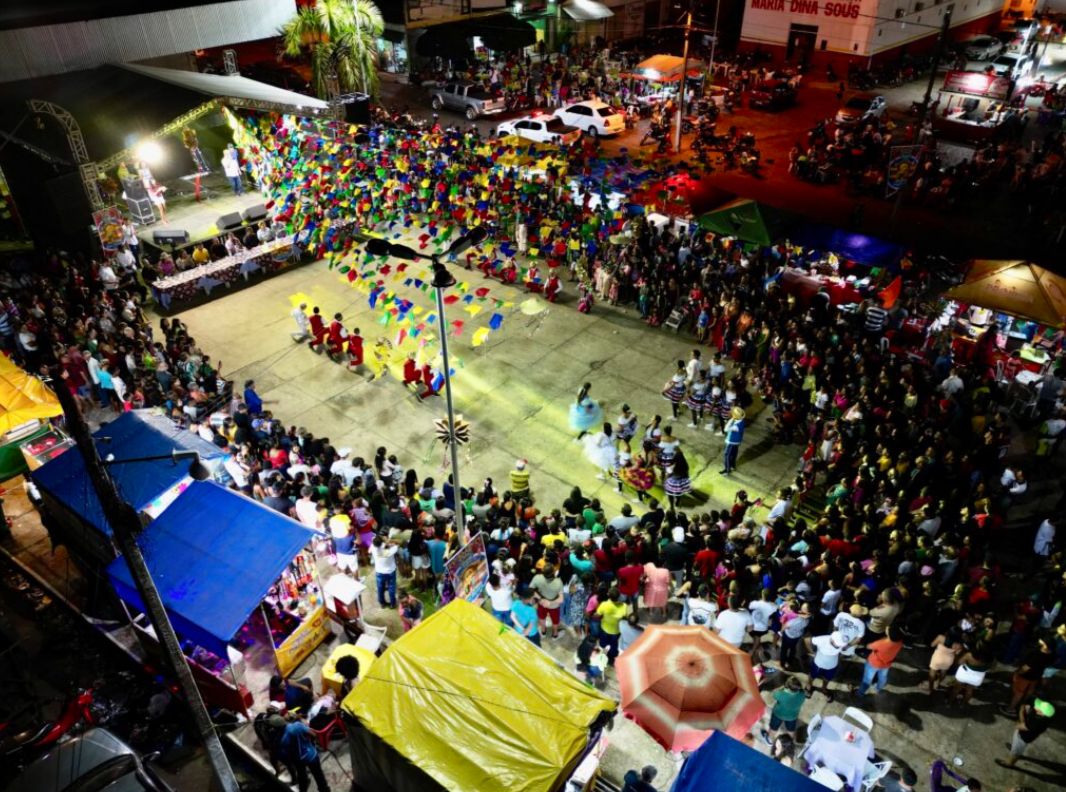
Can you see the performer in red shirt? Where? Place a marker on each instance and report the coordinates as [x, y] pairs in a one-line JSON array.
[[318, 328]]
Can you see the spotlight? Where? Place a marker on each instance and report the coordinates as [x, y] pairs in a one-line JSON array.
[[149, 151]]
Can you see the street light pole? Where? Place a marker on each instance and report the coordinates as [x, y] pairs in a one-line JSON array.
[[684, 83], [442, 279], [125, 525]]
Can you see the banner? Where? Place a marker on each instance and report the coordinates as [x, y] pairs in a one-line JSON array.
[[902, 165], [302, 642], [108, 224], [468, 569]]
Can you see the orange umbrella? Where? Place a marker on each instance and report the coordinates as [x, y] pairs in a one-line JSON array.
[[682, 683]]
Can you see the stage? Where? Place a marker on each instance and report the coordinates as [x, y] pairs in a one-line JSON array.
[[200, 218]]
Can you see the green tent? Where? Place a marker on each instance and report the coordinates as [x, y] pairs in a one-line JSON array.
[[746, 220]]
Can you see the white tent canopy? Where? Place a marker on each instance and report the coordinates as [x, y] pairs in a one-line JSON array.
[[230, 86], [587, 10]]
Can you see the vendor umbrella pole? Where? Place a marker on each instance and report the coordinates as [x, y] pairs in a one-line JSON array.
[[125, 525], [682, 85]]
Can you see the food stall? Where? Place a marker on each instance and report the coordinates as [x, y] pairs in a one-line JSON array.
[[1018, 306], [26, 404], [662, 73], [972, 106], [451, 702], [71, 510], [240, 583]]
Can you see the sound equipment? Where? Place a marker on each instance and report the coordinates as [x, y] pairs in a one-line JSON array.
[[228, 222], [134, 189], [356, 107], [170, 236], [253, 214]]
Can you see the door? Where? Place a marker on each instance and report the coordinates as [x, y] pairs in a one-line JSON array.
[[802, 40]]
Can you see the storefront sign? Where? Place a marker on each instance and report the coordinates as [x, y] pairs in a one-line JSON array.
[[108, 223], [810, 7], [468, 569], [902, 165], [313, 631]]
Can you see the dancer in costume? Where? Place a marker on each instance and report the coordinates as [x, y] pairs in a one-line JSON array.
[[626, 427], [584, 412], [674, 389], [677, 483], [697, 399], [303, 324], [318, 329], [667, 448], [653, 433], [638, 474], [601, 451]]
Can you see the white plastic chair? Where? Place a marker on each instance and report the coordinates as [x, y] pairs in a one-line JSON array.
[[372, 638], [873, 773], [827, 778], [859, 717], [812, 732]]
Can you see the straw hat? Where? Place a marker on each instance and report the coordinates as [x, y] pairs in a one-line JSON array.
[[738, 413]]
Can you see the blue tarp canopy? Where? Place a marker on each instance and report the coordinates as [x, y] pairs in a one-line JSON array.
[[136, 433], [863, 249], [727, 765], [214, 554]]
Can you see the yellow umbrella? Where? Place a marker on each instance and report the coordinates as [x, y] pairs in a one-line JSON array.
[[23, 397]]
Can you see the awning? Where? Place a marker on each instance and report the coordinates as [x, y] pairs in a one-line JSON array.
[[870, 251], [746, 220], [461, 703], [587, 10], [214, 554], [503, 32], [23, 397], [451, 40], [1018, 288], [133, 434], [728, 765], [230, 86], [666, 68]]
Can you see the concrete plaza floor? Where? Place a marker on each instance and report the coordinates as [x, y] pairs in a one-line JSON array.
[[515, 391]]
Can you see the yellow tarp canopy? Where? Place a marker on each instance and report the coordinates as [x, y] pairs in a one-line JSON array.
[[1018, 288], [477, 707], [23, 397]]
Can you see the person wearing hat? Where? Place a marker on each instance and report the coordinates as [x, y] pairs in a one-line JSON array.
[[824, 664], [734, 436], [520, 479], [640, 782], [1033, 720]]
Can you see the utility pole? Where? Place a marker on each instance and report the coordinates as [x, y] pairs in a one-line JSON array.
[[714, 41], [125, 525], [942, 42], [684, 83]]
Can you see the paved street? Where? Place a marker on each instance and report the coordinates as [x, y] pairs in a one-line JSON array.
[[515, 390]]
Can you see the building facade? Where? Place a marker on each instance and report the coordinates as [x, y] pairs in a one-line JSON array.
[[817, 32]]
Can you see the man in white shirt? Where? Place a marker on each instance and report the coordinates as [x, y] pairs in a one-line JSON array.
[[781, 508], [344, 468], [952, 384], [827, 649], [700, 610], [733, 625], [694, 368], [307, 509], [851, 626], [231, 166], [761, 611], [624, 521], [125, 260], [383, 555], [108, 278], [1045, 539], [303, 323]]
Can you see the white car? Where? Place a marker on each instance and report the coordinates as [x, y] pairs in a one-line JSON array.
[[593, 117], [982, 47], [540, 129], [1014, 65]]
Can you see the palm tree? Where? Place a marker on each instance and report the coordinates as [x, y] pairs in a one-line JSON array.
[[341, 36]]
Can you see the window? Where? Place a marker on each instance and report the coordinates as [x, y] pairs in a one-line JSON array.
[[606, 111]]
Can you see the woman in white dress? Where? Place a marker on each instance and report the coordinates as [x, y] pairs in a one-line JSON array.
[[601, 451]]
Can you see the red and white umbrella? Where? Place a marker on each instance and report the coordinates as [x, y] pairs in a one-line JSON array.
[[682, 683]]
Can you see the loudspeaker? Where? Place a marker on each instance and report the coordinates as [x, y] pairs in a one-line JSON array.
[[356, 107], [253, 214], [134, 189], [228, 222], [173, 236]]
